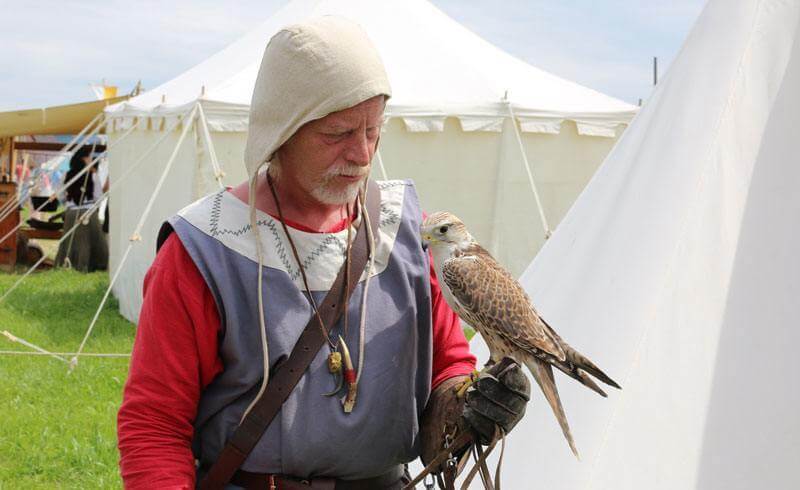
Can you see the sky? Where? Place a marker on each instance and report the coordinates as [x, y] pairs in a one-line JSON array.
[[53, 50]]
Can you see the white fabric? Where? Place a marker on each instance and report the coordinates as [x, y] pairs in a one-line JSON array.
[[99, 179], [321, 252], [478, 176], [677, 271], [309, 70], [436, 67], [463, 156]]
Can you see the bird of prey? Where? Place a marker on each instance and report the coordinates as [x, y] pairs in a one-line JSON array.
[[490, 300]]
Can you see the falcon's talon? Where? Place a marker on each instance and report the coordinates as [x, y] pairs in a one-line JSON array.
[[461, 388]]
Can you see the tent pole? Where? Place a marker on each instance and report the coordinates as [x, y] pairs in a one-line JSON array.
[[4, 146], [136, 237], [545, 225], [500, 175], [12, 200], [12, 162], [218, 173], [380, 164]]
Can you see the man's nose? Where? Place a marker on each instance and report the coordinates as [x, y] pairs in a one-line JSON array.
[[360, 149]]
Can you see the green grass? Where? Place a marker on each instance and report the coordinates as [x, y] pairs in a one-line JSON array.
[[469, 332], [58, 430]]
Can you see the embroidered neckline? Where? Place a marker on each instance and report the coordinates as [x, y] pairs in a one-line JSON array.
[[223, 217]]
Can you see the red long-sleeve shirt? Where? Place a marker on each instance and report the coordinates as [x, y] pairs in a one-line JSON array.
[[175, 356]]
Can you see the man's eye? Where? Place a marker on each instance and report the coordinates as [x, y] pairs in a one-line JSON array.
[[339, 135]]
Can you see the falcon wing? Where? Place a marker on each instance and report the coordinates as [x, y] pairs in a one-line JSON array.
[[491, 297]]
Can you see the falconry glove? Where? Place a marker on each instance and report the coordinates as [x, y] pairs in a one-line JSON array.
[[442, 417], [499, 396]]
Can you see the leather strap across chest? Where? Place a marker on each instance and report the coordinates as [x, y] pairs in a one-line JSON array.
[[281, 384]]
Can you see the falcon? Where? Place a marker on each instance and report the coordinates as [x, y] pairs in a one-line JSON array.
[[490, 300]]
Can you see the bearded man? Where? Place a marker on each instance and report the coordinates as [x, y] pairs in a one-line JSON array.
[[309, 248]]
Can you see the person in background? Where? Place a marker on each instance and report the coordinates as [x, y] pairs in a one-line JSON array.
[[82, 190], [86, 250]]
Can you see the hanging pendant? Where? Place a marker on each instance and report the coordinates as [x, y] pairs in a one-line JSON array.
[[350, 378], [339, 383], [335, 362], [335, 368]]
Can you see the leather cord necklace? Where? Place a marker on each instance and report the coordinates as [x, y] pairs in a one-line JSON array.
[[300, 264], [253, 425], [338, 362]]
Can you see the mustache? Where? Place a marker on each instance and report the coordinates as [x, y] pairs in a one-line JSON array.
[[347, 170]]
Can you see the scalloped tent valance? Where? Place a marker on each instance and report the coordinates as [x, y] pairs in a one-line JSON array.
[[438, 69], [448, 126]]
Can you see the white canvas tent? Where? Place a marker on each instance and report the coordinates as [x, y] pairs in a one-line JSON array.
[[449, 128], [677, 271]]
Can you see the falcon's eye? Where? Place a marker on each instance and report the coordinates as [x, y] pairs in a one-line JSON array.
[[443, 230]]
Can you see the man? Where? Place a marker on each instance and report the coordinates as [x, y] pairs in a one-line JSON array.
[[198, 366]]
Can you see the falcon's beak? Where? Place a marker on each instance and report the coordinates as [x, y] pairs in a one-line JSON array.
[[427, 237]]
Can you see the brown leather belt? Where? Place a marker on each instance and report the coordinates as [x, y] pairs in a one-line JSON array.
[[393, 480]]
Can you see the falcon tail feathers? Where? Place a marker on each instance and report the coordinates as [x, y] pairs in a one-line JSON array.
[[573, 371], [543, 374], [583, 363], [583, 378], [579, 374]]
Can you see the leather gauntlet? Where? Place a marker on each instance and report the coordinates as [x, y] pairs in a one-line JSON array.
[[498, 397], [442, 416]]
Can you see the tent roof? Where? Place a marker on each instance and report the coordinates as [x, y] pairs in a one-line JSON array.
[[437, 68], [63, 119], [676, 271]]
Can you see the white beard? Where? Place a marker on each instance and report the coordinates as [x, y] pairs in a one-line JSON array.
[[326, 193]]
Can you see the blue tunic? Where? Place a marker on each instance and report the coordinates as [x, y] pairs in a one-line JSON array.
[[311, 435]]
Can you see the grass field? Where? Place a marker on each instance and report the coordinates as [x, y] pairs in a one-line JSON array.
[[58, 430]]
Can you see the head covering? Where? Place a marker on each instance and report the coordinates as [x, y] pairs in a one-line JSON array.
[[310, 70]]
